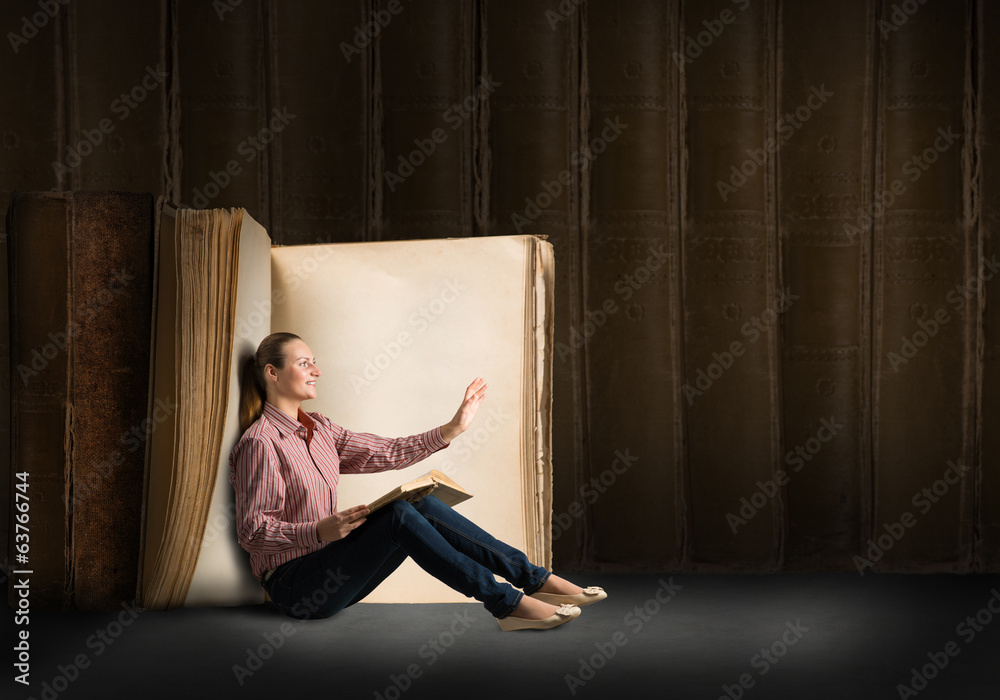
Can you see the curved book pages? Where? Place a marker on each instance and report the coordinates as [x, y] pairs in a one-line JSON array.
[[399, 329], [434, 482]]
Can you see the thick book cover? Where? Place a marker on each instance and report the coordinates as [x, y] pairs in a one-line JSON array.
[[923, 397], [826, 173], [80, 356], [731, 290]]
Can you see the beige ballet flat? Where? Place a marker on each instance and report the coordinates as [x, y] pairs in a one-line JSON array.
[[564, 614], [589, 595]]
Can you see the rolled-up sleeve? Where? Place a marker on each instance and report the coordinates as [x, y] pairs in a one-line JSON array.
[[260, 499]]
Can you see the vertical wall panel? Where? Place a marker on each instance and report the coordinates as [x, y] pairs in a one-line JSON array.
[[729, 283], [988, 307], [532, 52], [426, 73], [32, 138], [222, 106], [117, 59], [824, 177], [320, 65], [631, 237], [921, 421]]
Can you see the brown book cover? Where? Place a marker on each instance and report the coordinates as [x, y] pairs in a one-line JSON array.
[[733, 299], [115, 95], [226, 125], [923, 347], [534, 114], [629, 327], [37, 239], [320, 70], [80, 363], [427, 95], [987, 302], [825, 171]]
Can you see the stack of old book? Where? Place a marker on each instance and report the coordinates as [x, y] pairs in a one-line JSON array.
[[129, 321]]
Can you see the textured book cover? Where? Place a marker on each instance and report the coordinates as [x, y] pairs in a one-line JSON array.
[[428, 99], [988, 308], [923, 349], [319, 69], [732, 296], [630, 295], [825, 176], [225, 125], [80, 299]]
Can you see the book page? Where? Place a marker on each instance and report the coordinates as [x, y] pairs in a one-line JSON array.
[[223, 575], [400, 329]]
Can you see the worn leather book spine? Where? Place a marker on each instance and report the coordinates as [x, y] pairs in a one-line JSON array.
[[631, 300], [111, 276], [38, 228], [987, 206], [427, 101], [225, 126], [116, 96], [320, 70], [826, 176], [532, 139], [33, 140], [732, 302], [923, 346]]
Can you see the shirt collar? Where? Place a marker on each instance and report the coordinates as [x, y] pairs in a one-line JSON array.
[[303, 427]]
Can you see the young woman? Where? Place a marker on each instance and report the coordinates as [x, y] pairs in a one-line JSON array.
[[314, 560]]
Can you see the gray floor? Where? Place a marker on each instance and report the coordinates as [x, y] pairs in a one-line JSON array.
[[791, 636]]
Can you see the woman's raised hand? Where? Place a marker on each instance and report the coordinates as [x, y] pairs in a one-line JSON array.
[[339, 525], [474, 396]]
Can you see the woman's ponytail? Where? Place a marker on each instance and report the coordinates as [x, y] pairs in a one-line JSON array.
[[271, 351]]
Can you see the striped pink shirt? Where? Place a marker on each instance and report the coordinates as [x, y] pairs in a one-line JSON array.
[[285, 474]]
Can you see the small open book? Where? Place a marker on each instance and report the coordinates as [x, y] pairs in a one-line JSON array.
[[433, 481]]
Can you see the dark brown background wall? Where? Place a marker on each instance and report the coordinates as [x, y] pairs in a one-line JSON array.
[[770, 220]]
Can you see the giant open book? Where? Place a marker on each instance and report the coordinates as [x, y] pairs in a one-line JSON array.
[[399, 329]]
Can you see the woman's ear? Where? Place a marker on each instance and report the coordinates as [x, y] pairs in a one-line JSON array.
[[270, 373]]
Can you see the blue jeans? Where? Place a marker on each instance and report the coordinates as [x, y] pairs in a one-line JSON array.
[[443, 543]]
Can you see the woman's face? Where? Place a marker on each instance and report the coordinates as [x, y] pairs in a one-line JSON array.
[[296, 381]]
